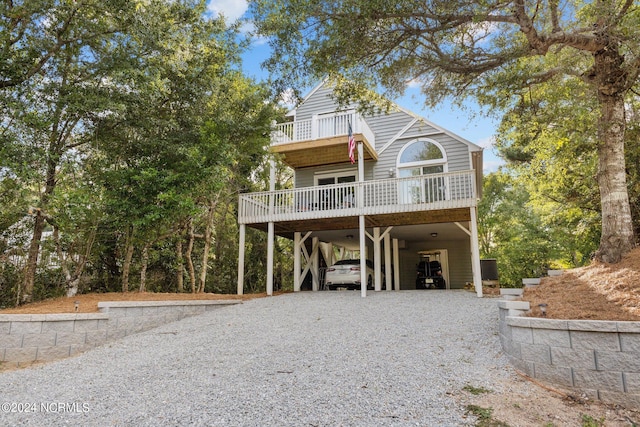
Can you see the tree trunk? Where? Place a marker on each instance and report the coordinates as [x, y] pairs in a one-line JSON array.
[[192, 270], [180, 261], [126, 265], [32, 259], [72, 285], [73, 280], [143, 268], [207, 243], [617, 226]]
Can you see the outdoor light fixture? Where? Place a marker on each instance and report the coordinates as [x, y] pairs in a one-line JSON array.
[[543, 309], [76, 305], [349, 236], [392, 172], [434, 234]]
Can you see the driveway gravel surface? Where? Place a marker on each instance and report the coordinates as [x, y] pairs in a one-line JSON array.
[[304, 359]]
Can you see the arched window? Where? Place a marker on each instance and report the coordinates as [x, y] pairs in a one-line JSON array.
[[421, 157]]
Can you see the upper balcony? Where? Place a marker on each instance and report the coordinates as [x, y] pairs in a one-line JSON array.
[[445, 197], [322, 140]]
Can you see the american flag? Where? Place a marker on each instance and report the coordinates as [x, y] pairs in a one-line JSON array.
[[352, 146]]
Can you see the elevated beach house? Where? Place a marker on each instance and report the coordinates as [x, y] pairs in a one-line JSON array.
[[410, 194]]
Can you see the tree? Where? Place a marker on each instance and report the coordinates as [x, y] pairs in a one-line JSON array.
[[549, 141], [474, 48], [70, 70], [528, 236], [35, 32]]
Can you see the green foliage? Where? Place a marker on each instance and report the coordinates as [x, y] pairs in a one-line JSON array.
[[485, 416], [512, 232], [530, 234], [9, 277], [131, 119], [563, 73], [476, 391], [589, 421]]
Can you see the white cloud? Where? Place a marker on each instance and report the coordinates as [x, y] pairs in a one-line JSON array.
[[232, 10]]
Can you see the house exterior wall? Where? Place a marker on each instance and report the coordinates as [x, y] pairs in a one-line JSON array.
[[393, 131], [320, 102], [457, 153], [386, 127]]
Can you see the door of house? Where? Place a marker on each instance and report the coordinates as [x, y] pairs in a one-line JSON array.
[[425, 187], [336, 198]]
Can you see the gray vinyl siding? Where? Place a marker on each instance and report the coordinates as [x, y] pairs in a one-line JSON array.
[[385, 127], [398, 126], [318, 103], [305, 177], [458, 158]]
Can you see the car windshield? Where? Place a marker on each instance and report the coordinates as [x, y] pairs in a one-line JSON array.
[[353, 262]]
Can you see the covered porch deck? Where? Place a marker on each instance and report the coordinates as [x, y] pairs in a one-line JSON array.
[[355, 214]]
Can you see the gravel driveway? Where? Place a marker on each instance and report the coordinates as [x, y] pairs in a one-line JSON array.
[[304, 359]]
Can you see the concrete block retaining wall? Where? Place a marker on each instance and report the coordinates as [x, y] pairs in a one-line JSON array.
[[598, 358], [26, 338]]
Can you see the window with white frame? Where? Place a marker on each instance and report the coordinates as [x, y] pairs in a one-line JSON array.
[[420, 159], [342, 196]]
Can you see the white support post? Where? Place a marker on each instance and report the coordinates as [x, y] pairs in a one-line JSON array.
[[297, 237], [363, 264], [396, 264], [387, 262], [315, 264], [270, 230], [361, 222], [377, 270], [241, 250], [329, 255], [270, 240], [475, 253]]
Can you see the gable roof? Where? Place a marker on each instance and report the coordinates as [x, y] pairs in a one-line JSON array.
[[325, 81]]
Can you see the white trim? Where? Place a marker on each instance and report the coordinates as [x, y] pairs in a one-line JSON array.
[[398, 135], [443, 160], [424, 163], [463, 228], [471, 145], [335, 173]]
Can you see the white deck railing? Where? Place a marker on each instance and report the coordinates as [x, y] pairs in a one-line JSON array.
[[425, 192], [321, 126]]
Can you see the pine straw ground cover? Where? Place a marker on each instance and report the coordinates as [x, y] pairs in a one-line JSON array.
[[88, 303], [595, 292]]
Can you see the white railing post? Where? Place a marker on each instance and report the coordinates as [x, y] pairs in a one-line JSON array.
[[314, 127], [394, 195]]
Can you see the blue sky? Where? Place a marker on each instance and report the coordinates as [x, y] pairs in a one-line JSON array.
[[468, 123]]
